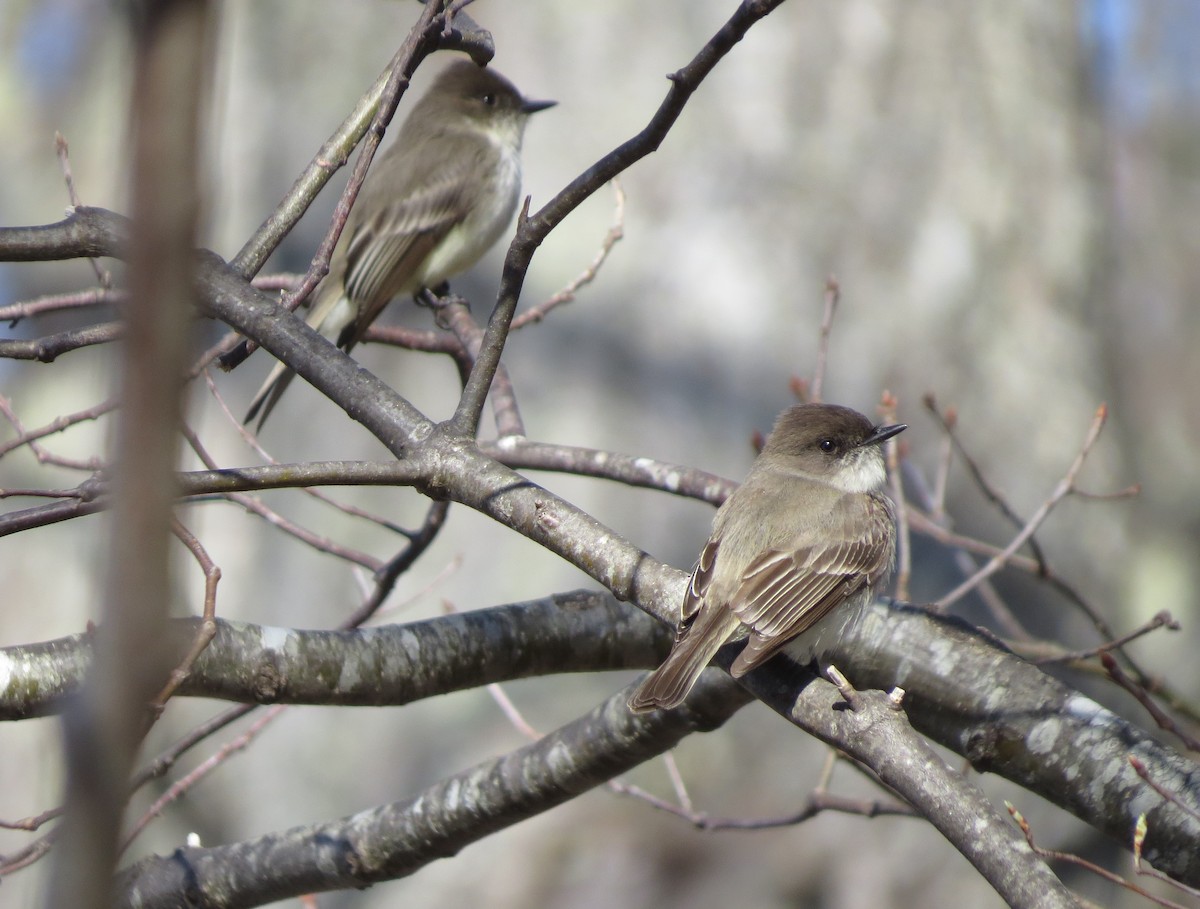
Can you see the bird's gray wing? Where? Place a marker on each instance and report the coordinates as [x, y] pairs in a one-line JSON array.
[[784, 592], [389, 244]]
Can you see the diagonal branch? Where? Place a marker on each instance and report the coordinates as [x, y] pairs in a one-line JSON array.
[[532, 230], [395, 840]]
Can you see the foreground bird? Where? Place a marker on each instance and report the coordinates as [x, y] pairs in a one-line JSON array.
[[429, 208], [795, 553]]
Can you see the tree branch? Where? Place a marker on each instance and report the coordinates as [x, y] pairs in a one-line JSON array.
[[394, 840]]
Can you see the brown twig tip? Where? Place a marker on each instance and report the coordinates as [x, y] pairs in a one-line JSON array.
[[1143, 771], [829, 308], [799, 388], [1140, 829], [1020, 820], [848, 692], [60, 143]]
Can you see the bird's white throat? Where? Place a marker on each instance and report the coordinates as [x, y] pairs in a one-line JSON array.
[[861, 471]]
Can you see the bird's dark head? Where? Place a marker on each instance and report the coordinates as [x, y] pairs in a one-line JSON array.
[[829, 443], [480, 94]]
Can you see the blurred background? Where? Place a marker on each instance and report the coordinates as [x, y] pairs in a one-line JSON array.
[[1008, 193]]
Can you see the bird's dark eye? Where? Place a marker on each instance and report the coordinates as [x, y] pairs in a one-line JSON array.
[[827, 445], [489, 100]]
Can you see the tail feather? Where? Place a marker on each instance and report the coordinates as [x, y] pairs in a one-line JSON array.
[[669, 684], [330, 314], [270, 393]]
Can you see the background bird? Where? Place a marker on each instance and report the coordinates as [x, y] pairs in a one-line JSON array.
[[432, 205]]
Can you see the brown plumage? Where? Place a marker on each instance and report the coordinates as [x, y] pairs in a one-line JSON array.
[[430, 207], [795, 551]]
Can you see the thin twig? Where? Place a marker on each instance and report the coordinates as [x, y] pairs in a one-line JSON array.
[[1064, 487], [80, 299], [833, 295], [1164, 720], [252, 440], [888, 407], [1162, 619], [949, 425], [1053, 854], [60, 147], [58, 424], [206, 630], [301, 533], [1141, 770], [189, 781], [616, 232], [454, 314]]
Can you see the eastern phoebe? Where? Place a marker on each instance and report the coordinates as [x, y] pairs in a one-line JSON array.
[[797, 550], [432, 205]]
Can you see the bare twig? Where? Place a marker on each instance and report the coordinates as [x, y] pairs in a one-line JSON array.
[[616, 232], [454, 314], [252, 440], [1162, 619], [207, 628], [50, 347], [32, 853], [387, 574], [936, 526], [190, 780], [97, 296], [533, 230], [58, 424], [816, 803], [949, 424], [1164, 721], [833, 294], [255, 506], [64, 161], [888, 411], [1141, 770], [1055, 855], [1064, 487]]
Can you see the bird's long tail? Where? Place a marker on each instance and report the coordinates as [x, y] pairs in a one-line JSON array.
[[669, 684], [330, 313]]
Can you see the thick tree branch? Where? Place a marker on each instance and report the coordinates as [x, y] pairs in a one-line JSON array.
[[1036, 732], [389, 665], [972, 695], [395, 840]]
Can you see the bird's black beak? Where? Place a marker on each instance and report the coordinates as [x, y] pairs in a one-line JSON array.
[[883, 433], [532, 107]]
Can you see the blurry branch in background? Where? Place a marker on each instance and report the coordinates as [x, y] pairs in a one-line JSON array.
[[104, 722], [950, 701]]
